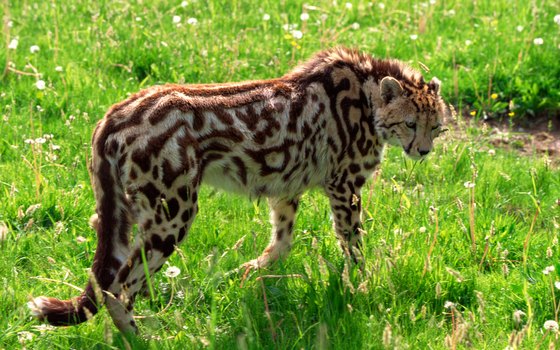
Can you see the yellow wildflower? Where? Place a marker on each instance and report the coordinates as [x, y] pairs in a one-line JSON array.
[[494, 96]]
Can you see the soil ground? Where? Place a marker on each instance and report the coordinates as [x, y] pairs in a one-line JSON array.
[[532, 135]]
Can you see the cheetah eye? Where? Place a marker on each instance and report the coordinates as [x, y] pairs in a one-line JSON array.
[[435, 127], [411, 125]]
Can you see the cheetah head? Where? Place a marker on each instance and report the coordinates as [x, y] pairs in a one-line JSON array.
[[410, 116]]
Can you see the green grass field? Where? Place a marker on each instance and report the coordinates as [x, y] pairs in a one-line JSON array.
[[461, 250]]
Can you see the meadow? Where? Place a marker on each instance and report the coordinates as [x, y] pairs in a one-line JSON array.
[[461, 250]]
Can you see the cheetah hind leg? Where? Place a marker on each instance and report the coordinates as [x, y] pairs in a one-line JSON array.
[[161, 230], [282, 217]]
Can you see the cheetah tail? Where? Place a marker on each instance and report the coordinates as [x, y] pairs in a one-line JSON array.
[[72, 311], [65, 312]]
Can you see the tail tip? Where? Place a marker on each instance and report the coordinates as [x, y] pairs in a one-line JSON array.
[[62, 312], [37, 306]]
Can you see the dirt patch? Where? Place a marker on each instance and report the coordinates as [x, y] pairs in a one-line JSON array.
[[533, 135], [541, 135]]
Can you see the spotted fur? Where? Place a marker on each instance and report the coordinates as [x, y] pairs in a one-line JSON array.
[[322, 125]]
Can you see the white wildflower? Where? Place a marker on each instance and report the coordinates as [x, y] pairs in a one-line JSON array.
[[519, 28], [355, 26], [184, 4], [138, 19], [551, 325], [548, 269], [24, 336], [348, 6], [557, 284], [34, 49], [432, 2], [413, 36], [538, 41], [381, 6], [469, 184], [422, 229], [557, 19], [58, 69], [491, 152], [29, 141], [297, 34], [40, 140], [518, 315], [13, 44], [40, 84], [172, 271], [176, 19], [192, 21], [468, 42], [449, 305], [11, 23], [81, 239], [266, 17], [304, 16]]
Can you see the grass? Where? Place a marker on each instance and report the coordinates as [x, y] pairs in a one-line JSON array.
[[448, 265]]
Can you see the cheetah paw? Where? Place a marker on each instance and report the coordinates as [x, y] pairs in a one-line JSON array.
[[251, 266]]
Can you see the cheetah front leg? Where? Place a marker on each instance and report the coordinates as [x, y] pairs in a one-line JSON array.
[[282, 217], [346, 208]]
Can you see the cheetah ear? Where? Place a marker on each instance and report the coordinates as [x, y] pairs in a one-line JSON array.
[[435, 85], [390, 88]]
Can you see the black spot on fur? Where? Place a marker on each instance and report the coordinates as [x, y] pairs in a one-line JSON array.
[[173, 208], [183, 192], [166, 246], [359, 182]]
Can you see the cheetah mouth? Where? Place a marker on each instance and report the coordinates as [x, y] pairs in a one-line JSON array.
[[416, 157]]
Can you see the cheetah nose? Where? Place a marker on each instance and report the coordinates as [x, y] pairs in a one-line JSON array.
[[423, 152]]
